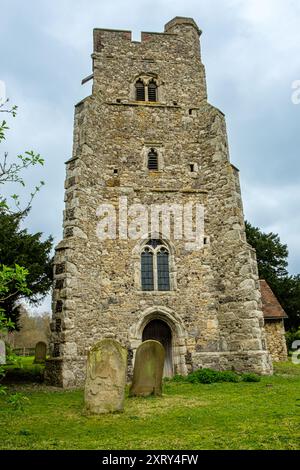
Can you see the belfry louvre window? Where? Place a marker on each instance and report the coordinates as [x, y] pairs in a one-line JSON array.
[[140, 91], [152, 160], [152, 91], [155, 272]]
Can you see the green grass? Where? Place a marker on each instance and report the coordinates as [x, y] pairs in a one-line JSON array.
[[24, 361], [263, 415]]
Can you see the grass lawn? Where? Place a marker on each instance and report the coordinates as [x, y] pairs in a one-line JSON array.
[[263, 415]]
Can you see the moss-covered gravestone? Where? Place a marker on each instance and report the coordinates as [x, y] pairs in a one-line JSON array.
[[105, 377], [148, 370], [2, 352], [40, 352]]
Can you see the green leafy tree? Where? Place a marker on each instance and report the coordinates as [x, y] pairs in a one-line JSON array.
[[18, 247], [10, 277], [271, 254], [20, 250], [14, 276], [272, 260], [288, 293]]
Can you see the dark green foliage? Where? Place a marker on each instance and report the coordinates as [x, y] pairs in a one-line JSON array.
[[272, 263], [287, 291], [250, 377], [177, 378], [17, 246], [209, 376], [271, 254], [23, 370], [291, 337]]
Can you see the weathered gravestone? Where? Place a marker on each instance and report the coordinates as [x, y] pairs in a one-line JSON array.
[[40, 352], [105, 377], [2, 352], [148, 370]]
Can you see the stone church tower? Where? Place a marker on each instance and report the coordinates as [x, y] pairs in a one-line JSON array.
[[147, 135]]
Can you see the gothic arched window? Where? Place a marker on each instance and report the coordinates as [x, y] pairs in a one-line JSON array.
[[152, 160], [152, 91], [140, 90], [155, 271]]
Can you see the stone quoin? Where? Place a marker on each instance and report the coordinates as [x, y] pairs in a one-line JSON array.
[[148, 133]]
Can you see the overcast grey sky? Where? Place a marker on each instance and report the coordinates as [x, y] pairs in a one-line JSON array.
[[251, 52]]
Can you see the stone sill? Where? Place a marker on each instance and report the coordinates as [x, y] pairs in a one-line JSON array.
[[145, 104], [72, 159], [158, 293], [235, 168], [165, 190], [83, 101]]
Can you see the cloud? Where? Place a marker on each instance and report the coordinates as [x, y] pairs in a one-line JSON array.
[[276, 209], [251, 53]]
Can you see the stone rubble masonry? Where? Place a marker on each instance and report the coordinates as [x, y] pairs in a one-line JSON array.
[[274, 316], [214, 310], [275, 334]]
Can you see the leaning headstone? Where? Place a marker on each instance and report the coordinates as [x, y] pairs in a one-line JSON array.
[[148, 370], [105, 377], [2, 352], [40, 352]]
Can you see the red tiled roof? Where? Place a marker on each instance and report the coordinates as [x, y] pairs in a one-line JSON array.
[[271, 307]]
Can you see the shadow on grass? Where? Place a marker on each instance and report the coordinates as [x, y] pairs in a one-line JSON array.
[[23, 371]]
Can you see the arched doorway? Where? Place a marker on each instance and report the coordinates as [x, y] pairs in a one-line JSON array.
[[160, 331]]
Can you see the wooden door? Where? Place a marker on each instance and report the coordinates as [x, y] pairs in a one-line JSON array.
[[160, 331]]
